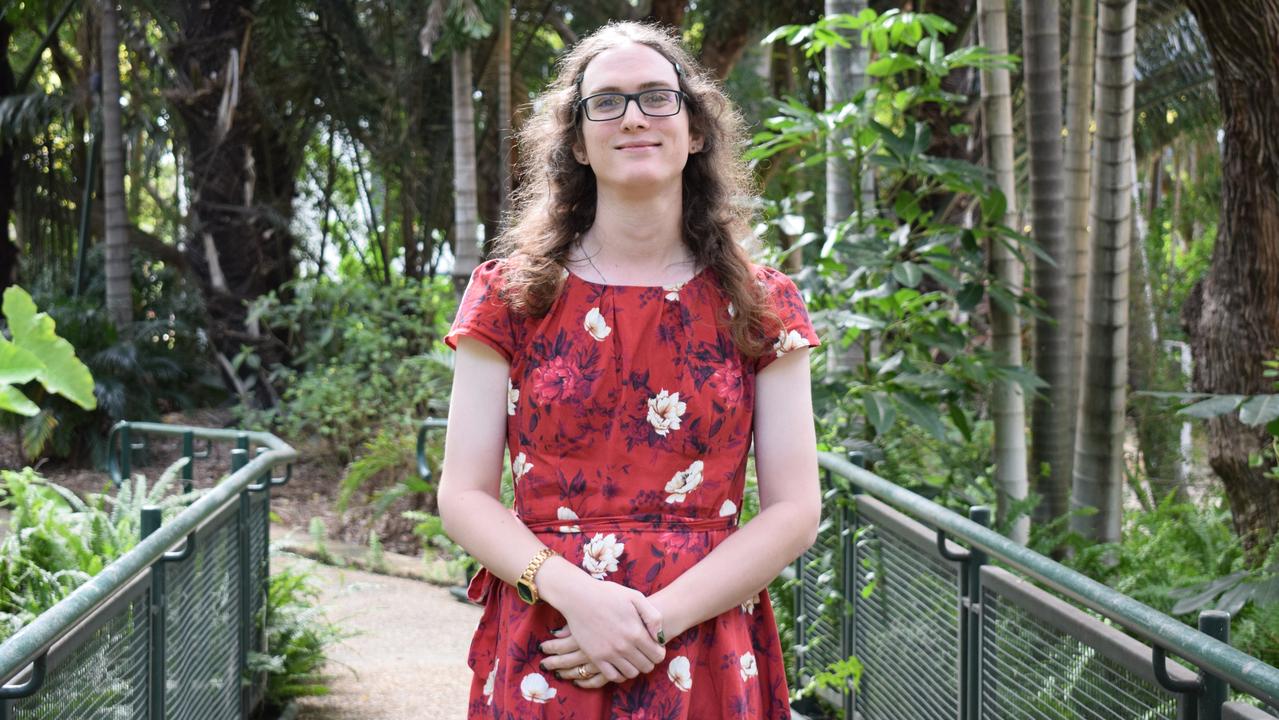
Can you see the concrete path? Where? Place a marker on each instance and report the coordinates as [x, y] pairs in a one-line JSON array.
[[408, 659]]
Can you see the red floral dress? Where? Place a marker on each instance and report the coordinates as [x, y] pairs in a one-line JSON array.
[[629, 422]]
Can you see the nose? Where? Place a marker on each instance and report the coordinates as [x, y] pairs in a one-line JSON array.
[[632, 116]]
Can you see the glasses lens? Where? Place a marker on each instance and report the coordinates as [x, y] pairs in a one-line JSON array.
[[659, 102], [605, 107]]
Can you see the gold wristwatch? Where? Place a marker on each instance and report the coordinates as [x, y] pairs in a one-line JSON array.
[[524, 587]]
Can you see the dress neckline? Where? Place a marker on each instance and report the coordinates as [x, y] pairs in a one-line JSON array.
[[616, 286]]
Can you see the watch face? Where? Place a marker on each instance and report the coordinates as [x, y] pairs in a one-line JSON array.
[[525, 592]]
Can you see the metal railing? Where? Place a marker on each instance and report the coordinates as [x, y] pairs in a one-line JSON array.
[[944, 632], [165, 630]]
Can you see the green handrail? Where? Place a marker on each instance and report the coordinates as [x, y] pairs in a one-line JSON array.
[[31, 643], [1214, 656]]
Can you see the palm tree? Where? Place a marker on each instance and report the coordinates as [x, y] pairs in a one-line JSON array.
[[1050, 424], [466, 24], [845, 77], [1099, 443], [119, 296], [1079, 97], [1007, 403]]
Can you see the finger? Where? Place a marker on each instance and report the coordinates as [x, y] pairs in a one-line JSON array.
[[626, 668], [641, 661], [592, 683], [567, 661], [560, 646], [652, 618], [609, 672], [561, 633]]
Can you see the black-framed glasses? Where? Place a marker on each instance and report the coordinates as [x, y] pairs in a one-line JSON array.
[[611, 105]]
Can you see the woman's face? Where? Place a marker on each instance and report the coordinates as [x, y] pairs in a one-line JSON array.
[[634, 151]]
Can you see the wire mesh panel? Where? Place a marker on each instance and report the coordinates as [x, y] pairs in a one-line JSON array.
[[820, 614], [1043, 659], [259, 512], [905, 619], [103, 674], [202, 620]]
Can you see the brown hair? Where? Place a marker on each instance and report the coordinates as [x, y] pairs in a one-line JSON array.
[[556, 199]]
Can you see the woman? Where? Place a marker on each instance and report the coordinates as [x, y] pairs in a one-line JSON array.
[[627, 352]]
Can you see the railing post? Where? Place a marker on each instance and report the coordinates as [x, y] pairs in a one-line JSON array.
[[149, 524], [848, 544], [126, 454], [970, 627], [240, 458], [1215, 690], [188, 451]]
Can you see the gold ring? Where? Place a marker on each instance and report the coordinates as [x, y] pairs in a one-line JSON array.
[[581, 672]]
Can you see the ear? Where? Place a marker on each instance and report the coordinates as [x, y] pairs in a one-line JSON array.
[[579, 152], [695, 144]]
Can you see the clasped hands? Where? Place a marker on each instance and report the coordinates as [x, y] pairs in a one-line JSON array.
[[614, 633]]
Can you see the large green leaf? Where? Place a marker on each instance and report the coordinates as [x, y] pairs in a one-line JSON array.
[[1259, 410], [17, 365], [1213, 406], [34, 332], [14, 401]]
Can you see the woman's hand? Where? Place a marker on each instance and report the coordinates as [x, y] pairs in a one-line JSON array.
[[565, 659], [611, 626]]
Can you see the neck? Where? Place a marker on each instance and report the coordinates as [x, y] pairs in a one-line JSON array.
[[638, 238]]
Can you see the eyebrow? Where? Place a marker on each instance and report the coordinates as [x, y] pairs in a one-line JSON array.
[[643, 86]]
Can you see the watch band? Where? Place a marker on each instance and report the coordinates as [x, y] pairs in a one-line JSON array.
[[524, 586]]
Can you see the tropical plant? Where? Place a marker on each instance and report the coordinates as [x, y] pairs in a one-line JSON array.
[[35, 352], [297, 638]]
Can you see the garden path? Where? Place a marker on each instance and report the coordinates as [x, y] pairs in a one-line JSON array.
[[408, 656]]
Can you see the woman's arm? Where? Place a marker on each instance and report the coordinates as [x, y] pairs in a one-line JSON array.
[[745, 563], [604, 615], [789, 497]]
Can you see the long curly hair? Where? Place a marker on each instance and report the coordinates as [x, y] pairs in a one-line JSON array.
[[556, 199]]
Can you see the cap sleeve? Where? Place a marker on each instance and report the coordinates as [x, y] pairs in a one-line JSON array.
[[483, 314], [796, 330]]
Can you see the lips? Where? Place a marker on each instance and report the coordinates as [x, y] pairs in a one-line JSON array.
[[637, 146]]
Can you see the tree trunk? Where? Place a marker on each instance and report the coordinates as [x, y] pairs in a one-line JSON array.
[[845, 77], [119, 294], [1050, 428], [669, 12], [8, 169], [465, 211], [1233, 316], [504, 113], [728, 30], [1008, 402], [1079, 100], [1099, 442], [241, 171]]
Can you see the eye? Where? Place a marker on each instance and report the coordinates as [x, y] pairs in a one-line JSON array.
[[658, 98], [604, 102]]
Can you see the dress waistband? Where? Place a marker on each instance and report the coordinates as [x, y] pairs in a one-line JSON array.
[[622, 523]]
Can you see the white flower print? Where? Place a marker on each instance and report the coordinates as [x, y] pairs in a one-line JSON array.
[[680, 674], [664, 412], [683, 482], [600, 555], [520, 467], [789, 341], [568, 514], [488, 684], [512, 397], [748, 667], [728, 508], [748, 607], [534, 688], [595, 324], [672, 291], [732, 312]]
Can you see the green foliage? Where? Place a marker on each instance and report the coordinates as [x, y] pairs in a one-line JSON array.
[[297, 636], [894, 285], [159, 364], [37, 353], [1181, 558], [56, 542]]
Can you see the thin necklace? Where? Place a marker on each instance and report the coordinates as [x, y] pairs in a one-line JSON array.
[[592, 262]]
